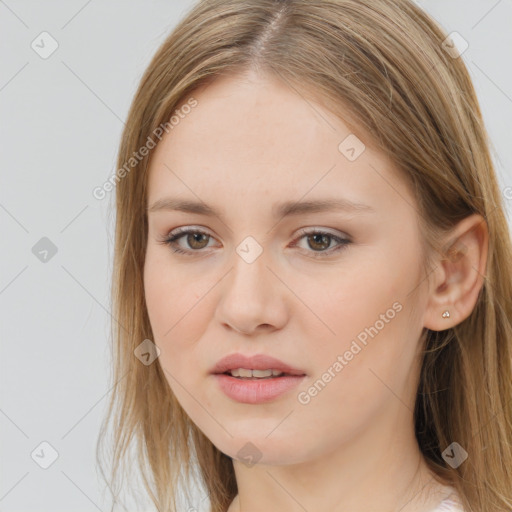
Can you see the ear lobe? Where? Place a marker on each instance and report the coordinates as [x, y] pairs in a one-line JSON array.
[[459, 274]]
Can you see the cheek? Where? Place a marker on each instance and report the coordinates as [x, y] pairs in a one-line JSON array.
[[177, 313], [179, 319], [355, 370], [366, 316], [169, 295]]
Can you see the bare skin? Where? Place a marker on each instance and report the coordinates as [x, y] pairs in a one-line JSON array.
[[249, 144]]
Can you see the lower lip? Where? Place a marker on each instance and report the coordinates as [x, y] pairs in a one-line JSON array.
[[256, 391]]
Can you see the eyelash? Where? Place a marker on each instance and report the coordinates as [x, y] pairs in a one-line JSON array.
[[171, 240]]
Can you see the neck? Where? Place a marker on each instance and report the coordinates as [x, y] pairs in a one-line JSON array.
[[381, 469]]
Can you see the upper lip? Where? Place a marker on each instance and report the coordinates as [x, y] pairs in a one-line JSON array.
[[255, 362]]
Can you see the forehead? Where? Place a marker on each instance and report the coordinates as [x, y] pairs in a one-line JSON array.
[[262, 139], [248, 119]]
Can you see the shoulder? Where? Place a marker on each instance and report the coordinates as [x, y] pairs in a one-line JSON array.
[[452, 503]]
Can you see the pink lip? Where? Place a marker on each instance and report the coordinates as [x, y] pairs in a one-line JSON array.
[[256, 362], [255, 391]]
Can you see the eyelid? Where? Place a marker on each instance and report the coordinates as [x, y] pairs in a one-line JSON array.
[[187, 228], [317, 229], [302, 231]]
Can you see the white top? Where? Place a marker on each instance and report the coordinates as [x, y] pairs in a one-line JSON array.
[[451, 503]]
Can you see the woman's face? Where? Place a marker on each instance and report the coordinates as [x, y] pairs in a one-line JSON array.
[[252, 282]]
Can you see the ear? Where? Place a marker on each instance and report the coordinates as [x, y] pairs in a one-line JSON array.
[[459, 274]]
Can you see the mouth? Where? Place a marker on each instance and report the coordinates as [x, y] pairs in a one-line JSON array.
[[249, 374], [259, 366], [255, 379]]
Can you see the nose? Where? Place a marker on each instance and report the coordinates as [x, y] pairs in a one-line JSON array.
[[252, 298]]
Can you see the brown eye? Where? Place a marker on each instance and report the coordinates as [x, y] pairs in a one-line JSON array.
[[320, 241], [196, 240]]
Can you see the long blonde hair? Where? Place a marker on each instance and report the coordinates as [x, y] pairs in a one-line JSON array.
[[382, 66]]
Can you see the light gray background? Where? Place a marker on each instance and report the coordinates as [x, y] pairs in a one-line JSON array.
[[61, 121]]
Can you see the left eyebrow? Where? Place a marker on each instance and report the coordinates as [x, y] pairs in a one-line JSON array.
[[280, 210]]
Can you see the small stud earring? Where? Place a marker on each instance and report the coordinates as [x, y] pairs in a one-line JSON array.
[[446, 314]]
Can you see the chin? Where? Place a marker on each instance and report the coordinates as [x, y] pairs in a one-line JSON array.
[[261, 450]]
